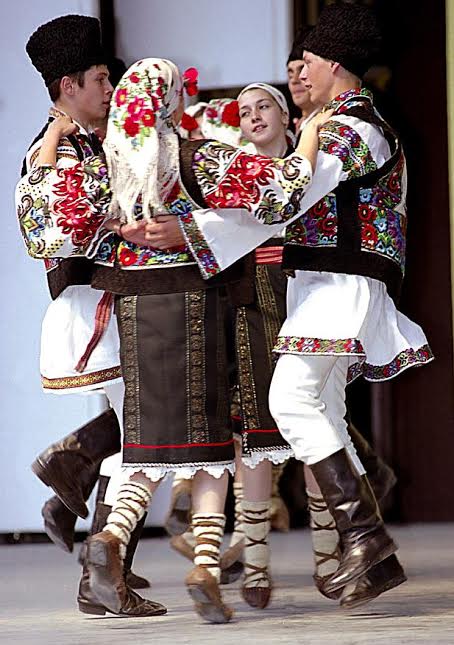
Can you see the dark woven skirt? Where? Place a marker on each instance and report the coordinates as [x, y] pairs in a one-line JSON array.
[[256, 330], [174, 364]]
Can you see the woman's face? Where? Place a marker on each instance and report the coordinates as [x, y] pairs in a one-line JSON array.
[[261, 119]]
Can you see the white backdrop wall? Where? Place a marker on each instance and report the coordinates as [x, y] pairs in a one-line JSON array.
[[231, 42], [30, 420]]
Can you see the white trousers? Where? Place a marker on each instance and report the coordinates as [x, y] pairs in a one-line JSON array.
[[307, 400]]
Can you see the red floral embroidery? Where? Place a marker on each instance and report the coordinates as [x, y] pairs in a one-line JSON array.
[[134, 78], [231, 115], [131, 126], [76, 218], [136, 106], [369, 235], [127, 257], [365, 213], [121, 96], [239, 187], [71, 184], [211, 112], [327, 225], [148, 118], [188, 122]]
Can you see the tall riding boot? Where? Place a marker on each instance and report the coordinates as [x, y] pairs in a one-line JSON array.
[[352, 503], [134, 604], [381, 476], [64, 464], [59, 521], [386, 575]]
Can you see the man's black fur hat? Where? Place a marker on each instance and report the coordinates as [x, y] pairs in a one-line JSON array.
[[348, 34], [66, 45]]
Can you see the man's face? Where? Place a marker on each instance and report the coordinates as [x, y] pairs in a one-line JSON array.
[[317, 77], [93, 99], [300, 95]]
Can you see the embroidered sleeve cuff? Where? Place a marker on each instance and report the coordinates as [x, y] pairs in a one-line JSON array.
[[202, 253]]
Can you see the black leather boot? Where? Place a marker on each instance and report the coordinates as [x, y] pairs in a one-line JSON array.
[[59, 521], [386, 575], [64, 465], [99, 521], [351, 502], [381, 476], [133, 604], [105, 572]]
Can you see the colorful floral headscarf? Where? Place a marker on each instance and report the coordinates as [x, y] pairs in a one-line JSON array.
[[221, 121], [189, 122], [141, 144]]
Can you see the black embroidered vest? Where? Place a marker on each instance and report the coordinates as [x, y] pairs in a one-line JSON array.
[[356, 228]]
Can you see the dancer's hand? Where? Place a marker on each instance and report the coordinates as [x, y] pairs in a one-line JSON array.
[[320, 119], [61, 127], [164, 232], [134, 232]]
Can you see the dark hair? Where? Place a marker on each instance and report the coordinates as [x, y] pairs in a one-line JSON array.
[[54, 87], [297, 50]]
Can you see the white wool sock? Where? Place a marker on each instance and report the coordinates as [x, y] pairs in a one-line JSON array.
[[256, 524], [133, 499], [208, 530]]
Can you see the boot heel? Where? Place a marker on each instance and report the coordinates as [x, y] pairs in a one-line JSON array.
[[94, 610]]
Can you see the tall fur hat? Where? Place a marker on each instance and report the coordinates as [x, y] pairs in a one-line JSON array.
[[347, 34], [66, 45], [297, 50]]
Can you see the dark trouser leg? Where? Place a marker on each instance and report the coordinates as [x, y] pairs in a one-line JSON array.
[[381, 476]]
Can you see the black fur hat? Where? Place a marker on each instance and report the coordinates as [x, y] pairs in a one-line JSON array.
[[347, 34], [297, 50], [66, 45]]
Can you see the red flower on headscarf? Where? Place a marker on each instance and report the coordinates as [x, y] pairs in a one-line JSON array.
[[136, 105], [148, 118], [231, 115], [120, 96], [188, 122], [190, 81], [131, 126], [134, 78], [211, 112]]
